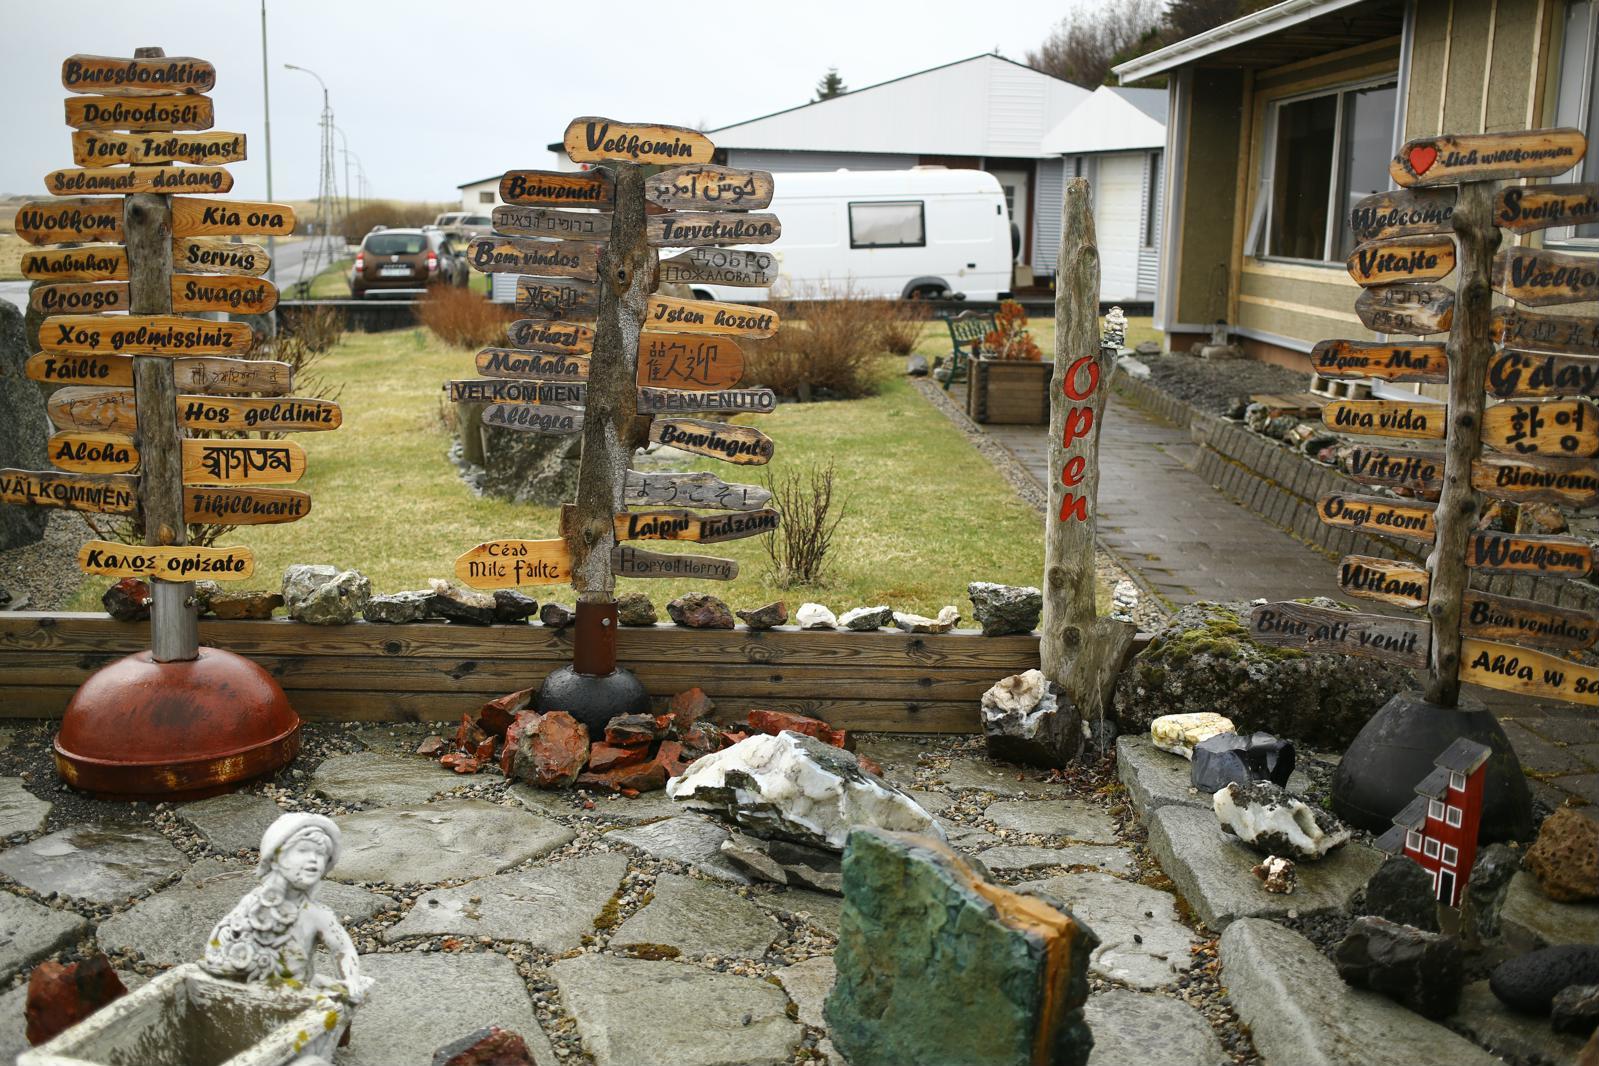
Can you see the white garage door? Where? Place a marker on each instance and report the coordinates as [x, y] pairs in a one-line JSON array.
[[1118, 207]]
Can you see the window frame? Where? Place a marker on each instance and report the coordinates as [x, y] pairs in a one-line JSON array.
[[1430, 847], [1451, 855], [1457, 781], [1260, 221], [1413, 840], [1453, 816], [849, 220], [1587, 103], [1151, 234], [485, 196], [1436, 809]]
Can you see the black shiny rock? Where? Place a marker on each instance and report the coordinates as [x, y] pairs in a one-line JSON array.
[[1401, 891], [1421, 970], [513, 606], [1228, 758]]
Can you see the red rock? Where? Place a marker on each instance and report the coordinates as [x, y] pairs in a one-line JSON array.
[[513, 738], [775, 722], [868, 764], [733, 736], [632, 730], [485, 750], [433, 746], [61, 996], [128, 600], [689, 707], [702, 738], [486, 1047], [496, 716], [461, 762], [670, 756], [603, 757], [552, 753], [641, 776], [467, 735]]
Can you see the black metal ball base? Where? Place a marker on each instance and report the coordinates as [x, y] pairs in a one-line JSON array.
[[592, 699], [1378, 775]]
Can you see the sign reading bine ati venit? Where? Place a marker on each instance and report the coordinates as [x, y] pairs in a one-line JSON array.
[[1404, 641], [195, 216], [692, 490], [1407, 308], [1450, 160], [667, 314], [534, 418], [515, 363], [733, 444], [144, 335], [120, 181], [591, 139], [242, 462], [1513, 374], [139, 114], [708, 188], [1375, 514], [244, 507], [1484, 614], [1421, 361], [1506, 553], [1531, 673], [514, 255], [1514, 328], [1524, 208], [96, 262], [1387, 418], [506, 564], [1403, 214], [686, 361], [93, 453], [157, 76], [1562, 482], [1421, 472], [1371, 578], [211, 255], [555, 188], [627, 561], [86, 218], [93, 148], [99, 493], [173, 563], [720, 266], [547, 222], [1538, 277], [703, 529], [557, 298], [688, 229], [565, 338], [1543, 427], [1420, 258]]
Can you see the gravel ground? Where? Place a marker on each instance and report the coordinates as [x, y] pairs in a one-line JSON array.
[[41, 576], [1213, 385]]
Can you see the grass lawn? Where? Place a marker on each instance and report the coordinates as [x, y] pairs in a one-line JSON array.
[[925, 512]]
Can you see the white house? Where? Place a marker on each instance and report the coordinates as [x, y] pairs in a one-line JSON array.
[[481, 196]]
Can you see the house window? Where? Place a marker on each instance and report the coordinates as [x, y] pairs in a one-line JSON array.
[[1152, 202], [1435, 809], [1324, 153], [891, 224], [486, 196], [1453, 817], [1413, 840], [1431, 850], [1577, 102], [1451, 855], [1457, 782], [1446, 887]]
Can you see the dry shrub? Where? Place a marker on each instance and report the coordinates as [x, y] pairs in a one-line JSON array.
[[462, 318], [902, 325], [391, 214], [830, 347], [1010, 338], [797, 551]]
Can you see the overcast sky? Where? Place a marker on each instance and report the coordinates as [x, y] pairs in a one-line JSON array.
[[433, 93]]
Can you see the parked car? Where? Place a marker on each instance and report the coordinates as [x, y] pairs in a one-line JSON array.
[[462, 225], [406, 260]]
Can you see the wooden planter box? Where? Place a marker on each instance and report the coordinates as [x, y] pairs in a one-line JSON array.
[[1009, 392]]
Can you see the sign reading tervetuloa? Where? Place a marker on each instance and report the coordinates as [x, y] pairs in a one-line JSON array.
[[591, 139], [506, 564], [1449, 160], [171, 563], [115, 76], [687, 229], [94, 148]]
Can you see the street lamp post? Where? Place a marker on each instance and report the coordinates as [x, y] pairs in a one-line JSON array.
[[345, 148], [326, 190]]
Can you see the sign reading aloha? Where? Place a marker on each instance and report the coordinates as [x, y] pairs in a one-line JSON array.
[[1488, 156], [93, 453]]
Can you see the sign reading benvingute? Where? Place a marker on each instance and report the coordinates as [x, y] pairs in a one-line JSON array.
[[239, 296], [1420, 258], [708, 188], [195, 216], [1513, 374], [534, 418], [98, 262], [1387, 418], [1407, 308], [507, 564], [86, 218], [733, 444], [547, 222], [1572, 334], [566, 338], [627, 561], [501, 390], [94, 148], [687, 229], [1543, 427], [96, 296], [558, 188], [1405, 213], [1376, 514], [1402, 641], [242, 462], [244, 507], [1507, 553], [212, 255], [1531, 673], [98, 493], [1525, 208], [121, 181], [155, 76], [702, 529], [144, 335], [1422, 361], [667, 314], [720, 266], [255, 415], [522, 255], [93, 453], [1421, 472], [592, 139], [1484, 614], [1450, 160], [1371, 578], [515, 363], [1538, 277], [139, 114], [1562, 482], [685, 361], [171, 563], [723, 401], [557, 298], [700, 489]]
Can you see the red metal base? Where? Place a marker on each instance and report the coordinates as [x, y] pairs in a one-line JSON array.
[[139, 729]]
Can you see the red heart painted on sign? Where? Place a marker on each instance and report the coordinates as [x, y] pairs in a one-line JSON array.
[[1422, 159]]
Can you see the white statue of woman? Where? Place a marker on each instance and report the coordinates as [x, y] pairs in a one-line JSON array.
[[271, 934]]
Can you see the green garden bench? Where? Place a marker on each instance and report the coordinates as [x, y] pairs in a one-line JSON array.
[[966, 333]]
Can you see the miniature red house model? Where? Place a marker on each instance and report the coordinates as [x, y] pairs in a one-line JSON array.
[[1439, 827]]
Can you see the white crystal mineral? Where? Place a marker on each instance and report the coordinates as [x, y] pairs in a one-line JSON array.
[[1268, 819], [815, 616], [1179, 733], [947, 619], [794, 787], [1277, 875]]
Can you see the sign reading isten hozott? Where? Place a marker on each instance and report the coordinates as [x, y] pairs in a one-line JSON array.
[[668, 314]]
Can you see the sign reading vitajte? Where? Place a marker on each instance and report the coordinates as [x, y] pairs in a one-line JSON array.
[[1520, 425]]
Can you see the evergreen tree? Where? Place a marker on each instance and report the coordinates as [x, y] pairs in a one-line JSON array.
[[831, 85]]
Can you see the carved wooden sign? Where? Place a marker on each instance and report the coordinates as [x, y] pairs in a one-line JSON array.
[[592, 139], [720, 266], [1538, 277], [545, 222], [533, 418], [627, 561], [239, 296], [507, 564], [156, 76], [242, 462], [1506, 553], [1387, 418], [85, 218], [98, 493], [208, 374], [1407, 308], [97, 296], [733, 444], [144, 335], [139, 114], [244, 507], [1484, 614], [1525, 208], [501, 390], [667, 314], [556, 188], [121, 181], [93, 453], [87, 407], [1375, 514], [1562, 482], [1513, 374], [1403, 641], [702, 529], [685, 361], [1420, 258], [62, 369], [708, 188], [1531, 673], [1421, 361], [252, 415], [557, 298], [1450, 160], [173, 563], [1405, 213], [1543, 427], [725, 402], [686, 229], [94, 148], [561, 338], [1371, 578], [194, 216], [211, 255], [692, 490], [1572, 334], [515, 363], [1421, 472], [522, 255], [100, 262]]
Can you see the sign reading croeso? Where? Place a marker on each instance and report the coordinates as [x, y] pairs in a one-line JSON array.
[[1375, 514], [687, 229], [86, 218], [99, 493], [500, 390], [143, 335], [564, 338], [157, 76], [557, 298], [1538, 277], [703, 529], [256, 415], [1403, 641], [506, 564], [733, 444], [1381, 579], [1507, 553], [1407, 308], [1450, 160], [211, 255], [139, 114], [242, 462], [98, 296], [725, 401], [194, 216], [521, 255], [1387, 418], [244, 507], [1403, 214], [515, 363], [667, 314], [1513, 374], [534, 418], [545, 222], [1420, 258], [173, 563], [1531, 673], [1524, 208], [93, 453], [592, 139], [99, 262], [556, 188], [708, 188], [1562, 482], [1483, 614], [121, 181], [628, 561], [1543, 427], [692, 490], [240, 296], [1421, 472], [720, 266], [685, 361], [93, 148], [1421, 361]]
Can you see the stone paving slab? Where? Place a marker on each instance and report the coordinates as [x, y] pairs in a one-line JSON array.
[[563, 803], [1072, 819], [375, 780], [14, 1025], [1141, 942], [699, 918], [231, 823], [819, 909], [1212, 871], [29, 931], [808, 983], [102, 862], [20, 810], [1516, 1036], [687, 838], [1533, 920], [549, 907], [1002, 779], [448, 840], [1155, 778], [1143, 1029], [636, 1013], [1021, 859], [966, 837], [421, 1002]]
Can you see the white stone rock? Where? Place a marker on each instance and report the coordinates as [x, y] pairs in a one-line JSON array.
[[1019, 693], [1124, 600], [797, 788], [866, 619], [1179, 733], [947, 619], [815, 616], [1272, 822]]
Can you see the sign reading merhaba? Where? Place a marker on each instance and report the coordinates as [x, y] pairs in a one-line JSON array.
[[1403, 641], [194, 216], [1483, 614], [592, 139], [155, 76], [1543, 427], [1531, 673], [212, 255], [144, 335], [1420, 258], [1405, 213], [1407, 308], [97, 262], [1387, 418], [1450, 160], [687, 361], [1508, 553], [1514, 328], [555, 188], [1422, 361], [86, 218], [504, 564], [1377, 514], [520, 255], [1562, 482], [1537, 277], [208, 374], [121, 181], [702, 529], [708, 188], [94, 148], [100, 493], [140, 114], [515, 363], [1513, 374], [1525, 208], [244, 507], [687, 229], [1371, 578], [733, 444], [93, 453], [720, 266], [242, 462], [667, 314], [172, 563]]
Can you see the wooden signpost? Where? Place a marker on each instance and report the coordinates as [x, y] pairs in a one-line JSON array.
[[1421, 472], [1378, 514], [1420, 258], [691, 229], [1405, 213], [733, 444], [76, 181], [1402, 641], [562, 338], [194, 216], [707, 188], [557, 298], [1543, 427], [555, 188], [1486, 157], [668, 314], [684, 361], [69, 221], [144, 335], [720, 266], [1386, 418], [591, 139], [1379, 579], [507, 564], [99, 262], [170, 563], [1568, 334], [1421, 361], [520, 255], [242, 462], [1563, 482], [94, 148], [534, 418], [1525, 208], [1510, 618], [212, 255], [1407, 308], [93, 453], [1538, 278], [1513, 668], [208, 374], [543, 222], [1513, 374], [139, 114], [686, 525]]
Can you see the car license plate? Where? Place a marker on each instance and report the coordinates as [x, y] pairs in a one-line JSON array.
[[397, 271]]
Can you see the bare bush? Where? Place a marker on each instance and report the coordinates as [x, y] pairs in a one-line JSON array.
[[1084, 45], [462, 318], [797, 551], [830, 347], [391, 214]]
